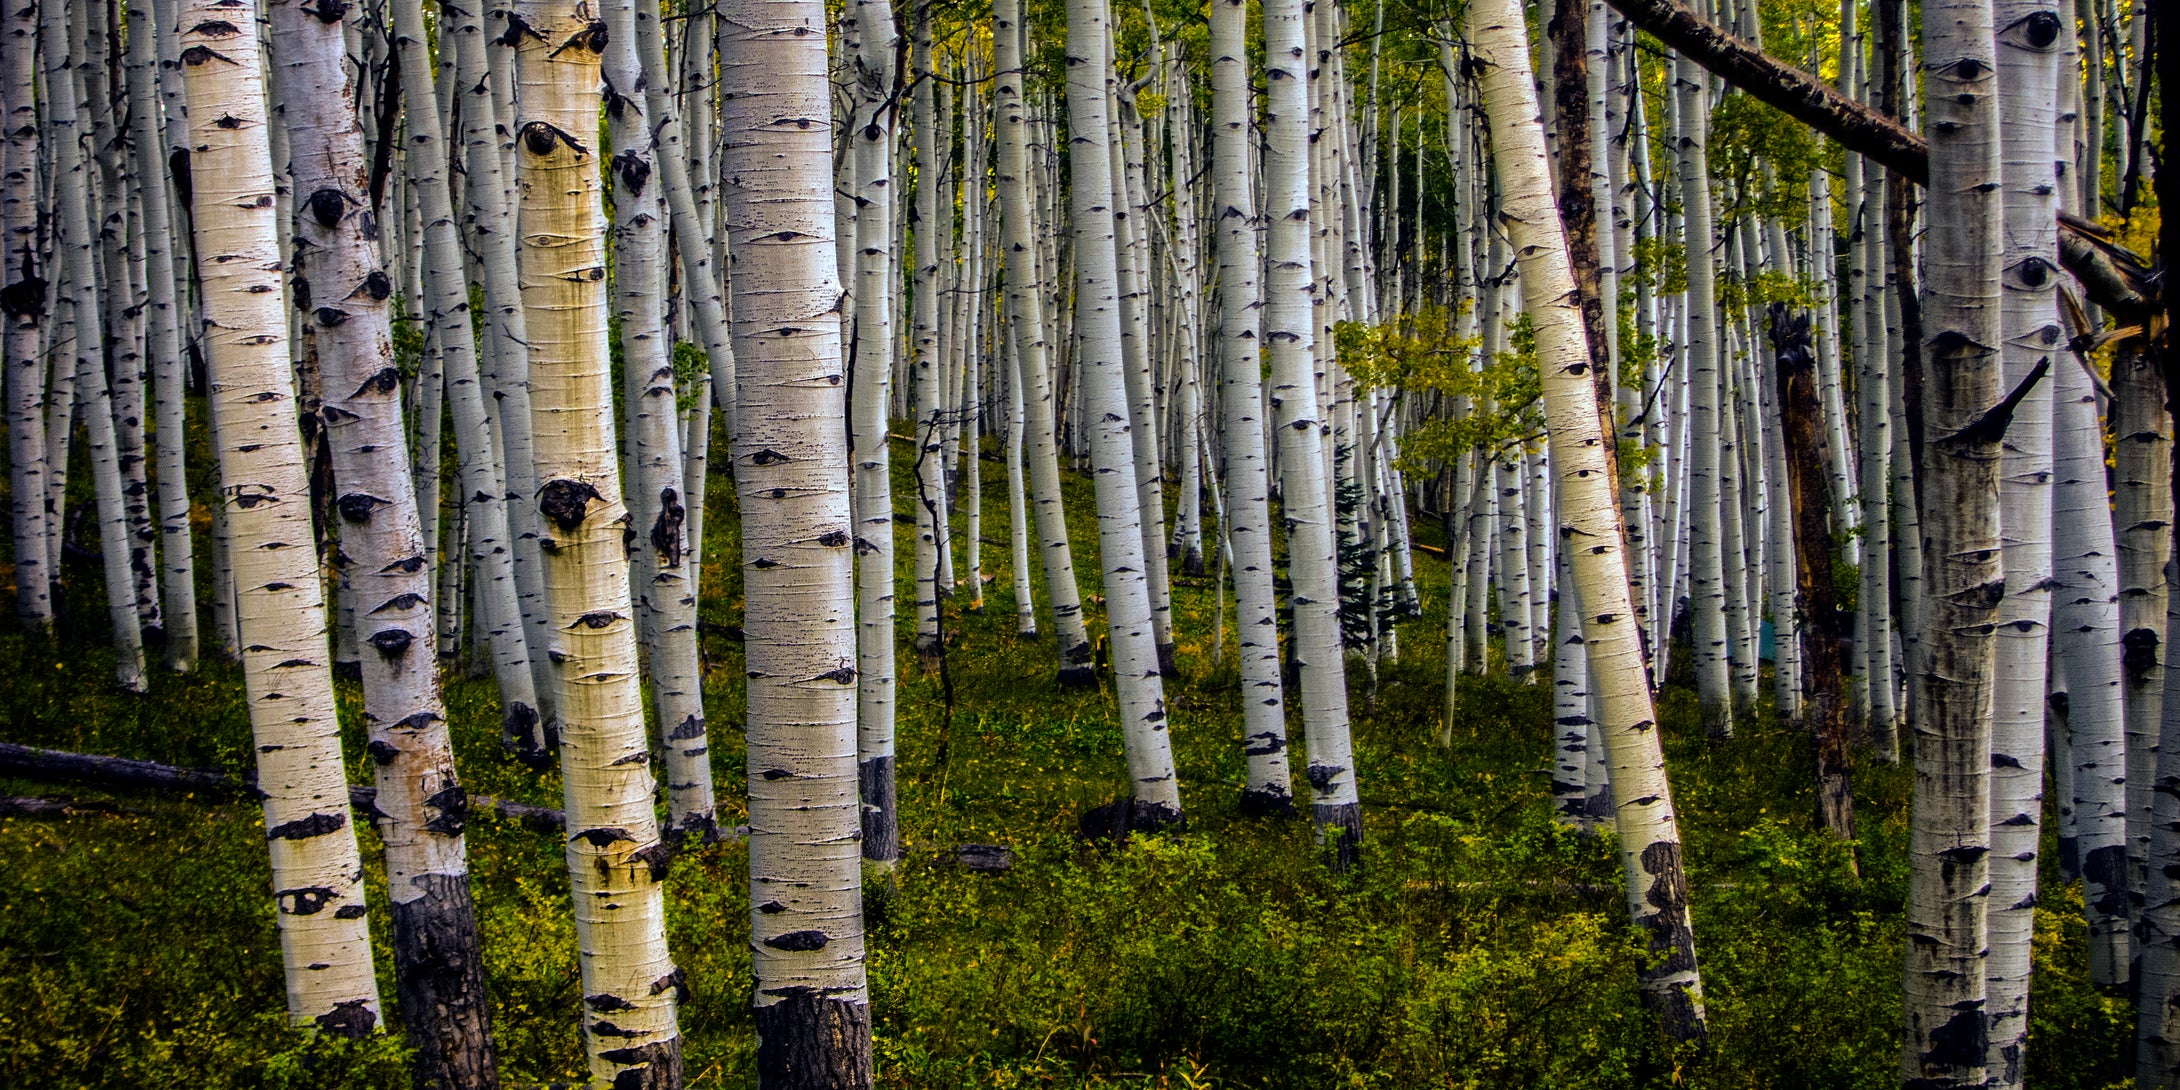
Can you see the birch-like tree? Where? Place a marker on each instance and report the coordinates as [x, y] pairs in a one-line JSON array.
[[798, 569], [280, 617], [1589, 521], [616, 862]]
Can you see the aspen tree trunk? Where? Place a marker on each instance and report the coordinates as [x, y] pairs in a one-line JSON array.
[[1571, 721], [1657, 885], [1963, 421], [23, 301], [317, 874], [873, 38], [75, 264], [1025, 309], [1312, 561], [2086, 648], [1025, 603], [2157, 975], [488, 201], [1707, 559], [666, 599], [1246, 521], [1130, 221], [615, 859], [1136, 677], [791, 459], [438, 960], [163, 305], [2029, 325], [483, 490], [930, 227], [2143, 513]]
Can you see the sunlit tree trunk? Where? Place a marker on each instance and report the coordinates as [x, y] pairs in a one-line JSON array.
[[1649, 835], [1707, 559], [791, 469], [615, 859], [317, 874]]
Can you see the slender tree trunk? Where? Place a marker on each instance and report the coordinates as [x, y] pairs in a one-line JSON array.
[[280, 615], [1025, 303], [1650, 849], [421, 806], [791, 458], [1312, 561], [615, 859], [1707, 588], [1247, 518], [1949, 838], [1092, 191], [2029, 328], [23, 303]]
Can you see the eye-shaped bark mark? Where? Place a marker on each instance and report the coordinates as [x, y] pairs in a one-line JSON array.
[[304, 828], [304, 900], [540, 137], [799, 942], [393, 642], [566, 502]]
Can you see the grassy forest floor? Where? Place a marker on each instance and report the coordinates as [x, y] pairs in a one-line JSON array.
[[1482, 944]]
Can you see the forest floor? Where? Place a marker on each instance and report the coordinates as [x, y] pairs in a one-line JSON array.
[[1481, 944]]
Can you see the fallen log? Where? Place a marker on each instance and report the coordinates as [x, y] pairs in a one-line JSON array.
[[54, 765]]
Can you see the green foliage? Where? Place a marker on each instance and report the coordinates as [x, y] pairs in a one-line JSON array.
[[1481, 945], [1425, 355]]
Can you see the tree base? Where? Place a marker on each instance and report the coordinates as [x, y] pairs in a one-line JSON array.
[[881, 818], [1265, 803], [1339, 826], [805, 1042], [439, 980]]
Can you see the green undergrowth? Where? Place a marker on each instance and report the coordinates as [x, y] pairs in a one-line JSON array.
[[1482, 944]]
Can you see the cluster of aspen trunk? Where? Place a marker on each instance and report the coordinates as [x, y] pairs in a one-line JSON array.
[[403, 255]]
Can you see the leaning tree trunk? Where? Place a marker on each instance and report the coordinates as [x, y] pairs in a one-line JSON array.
[[1247, 520], [438, 960], [2029, 328], [23, 306], [616, 861], [1589, 512], [317, 874], [791, 471], [1092, 189], [1963, 422], [1289, 325]]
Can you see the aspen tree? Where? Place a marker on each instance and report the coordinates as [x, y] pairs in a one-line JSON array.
[[317, 874], [1589, 513], [664, 596], [930, 228], [791, 471], [870, 34], [1949, 839], [615, 859], [1033, 340], [2086, 650], [23, 302], [2028, 97], [1289, 327], [1091, 195], [1247, 519], [1705, 510], [438, 960], [163, 342], [2142, 518]]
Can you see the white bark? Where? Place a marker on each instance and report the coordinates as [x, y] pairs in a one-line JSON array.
[[1247, 518], [615, 859], [1657, 886], [1304, 499], [1707, 557], [317, 874], [791, 462], [1136, 677], [23, 304]]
